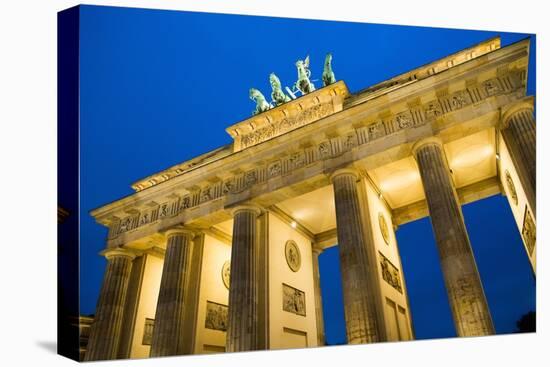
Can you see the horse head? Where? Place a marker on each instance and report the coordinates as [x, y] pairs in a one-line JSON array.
[[255, 94], [328, 60], [274, 81]]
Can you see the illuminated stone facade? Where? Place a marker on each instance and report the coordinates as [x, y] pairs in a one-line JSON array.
[[220, 253]]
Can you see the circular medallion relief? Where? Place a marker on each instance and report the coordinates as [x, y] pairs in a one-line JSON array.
[[511, 187], [292, 254], [384, 228], [226, 271]]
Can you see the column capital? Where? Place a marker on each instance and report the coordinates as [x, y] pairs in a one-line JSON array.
[[118, 252], [508, 111], [254, 208], [180, 231], [316, 248], [432, 140], [345, 171]]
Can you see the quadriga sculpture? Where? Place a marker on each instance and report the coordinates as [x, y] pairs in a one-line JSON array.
[[277, 94], [261, 103], [328, 74], [303, 84]]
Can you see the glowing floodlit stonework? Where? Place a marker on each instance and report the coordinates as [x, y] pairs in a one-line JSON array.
[[331, 167]]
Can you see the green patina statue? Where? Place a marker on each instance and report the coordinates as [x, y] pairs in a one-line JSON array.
[[303, 84], [277, 94], [261, 103], [328, 74]]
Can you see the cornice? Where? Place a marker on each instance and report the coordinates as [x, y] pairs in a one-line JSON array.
[[287, 152]]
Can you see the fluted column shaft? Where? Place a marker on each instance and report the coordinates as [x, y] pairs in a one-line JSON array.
[[169, 316], [466, 297], [106, 328], [519, 134], [242, 330], [315, 251], [358, 287]]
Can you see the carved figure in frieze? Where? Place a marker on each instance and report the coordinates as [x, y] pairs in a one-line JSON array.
[[303, 84], [324, 149], [328, 74], [274, 169], [163, 211], [250, 178], [458, 101], [376, 130], [433, 109], [227, 187], [125, 225], [491, 87], [297, 159], [277, 95], [266, 133], [185, 203], [403, 120], [144, 219], [261, 103], [349, 141], [206, 194]]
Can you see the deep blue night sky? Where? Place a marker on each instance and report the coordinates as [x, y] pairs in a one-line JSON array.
[[160, 87]]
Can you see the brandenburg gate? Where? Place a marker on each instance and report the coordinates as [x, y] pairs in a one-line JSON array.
[[220, 253]]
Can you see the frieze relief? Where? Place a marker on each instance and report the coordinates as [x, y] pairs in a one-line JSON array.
[[163, 210], [390, 273], [294, 300], [288, 123], [274, 169], [379, 128], [216, 316]]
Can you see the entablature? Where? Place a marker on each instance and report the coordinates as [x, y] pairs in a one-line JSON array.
[[374, 132]]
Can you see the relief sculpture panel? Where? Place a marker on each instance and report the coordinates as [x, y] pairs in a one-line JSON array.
[[294, 300], [216, 316], [390, 273], [528, 231]]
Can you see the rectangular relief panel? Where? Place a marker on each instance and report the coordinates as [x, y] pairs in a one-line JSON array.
[[216, 316], [390, 273], [294, 300]]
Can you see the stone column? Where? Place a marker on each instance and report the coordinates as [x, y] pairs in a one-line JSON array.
[[242, 329], [466, 297], [519, 133], [106, 328], [168, 330], [315, 252], [357, 279]]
